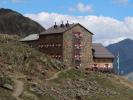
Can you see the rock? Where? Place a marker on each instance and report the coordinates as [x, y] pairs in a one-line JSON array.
[[8, 86], [29, 95]]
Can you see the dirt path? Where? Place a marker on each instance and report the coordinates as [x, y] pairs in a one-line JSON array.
[[18, 89], [127, 84], [124, 81], [19, 85], [57, 74]]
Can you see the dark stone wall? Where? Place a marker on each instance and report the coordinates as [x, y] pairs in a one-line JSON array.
[[51, 45], [33, 44]]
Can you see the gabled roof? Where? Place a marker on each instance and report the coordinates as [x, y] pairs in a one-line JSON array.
[[58, 29], [101, 52], [31, 37]]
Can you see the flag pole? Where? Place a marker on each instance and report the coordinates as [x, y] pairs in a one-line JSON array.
[[118, 63]]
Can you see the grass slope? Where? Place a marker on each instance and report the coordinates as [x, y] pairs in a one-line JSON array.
[[19, 62], [20, 58], [6, 85], [75, 85]]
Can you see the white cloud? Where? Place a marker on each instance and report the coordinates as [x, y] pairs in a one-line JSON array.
[[82, 8], [106, 30]]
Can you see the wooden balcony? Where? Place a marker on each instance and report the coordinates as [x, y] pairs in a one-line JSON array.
[[102, 69]]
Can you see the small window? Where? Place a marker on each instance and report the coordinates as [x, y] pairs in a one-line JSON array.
[[78, 34], [30, 45], [95, 65], [106, 65]]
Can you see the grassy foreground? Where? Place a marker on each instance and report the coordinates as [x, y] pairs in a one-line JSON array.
[[20, 58], [19, 61], [26, 65], [75, 85]]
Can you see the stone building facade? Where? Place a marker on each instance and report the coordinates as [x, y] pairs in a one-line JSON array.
[[77, 46], [74, 44], [69, 43]]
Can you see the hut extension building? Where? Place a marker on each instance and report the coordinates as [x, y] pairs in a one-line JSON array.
[[71, 44]]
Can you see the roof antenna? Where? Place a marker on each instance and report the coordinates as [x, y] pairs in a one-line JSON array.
[[62, 25], [67, 24], [67, 21], [55, 26]]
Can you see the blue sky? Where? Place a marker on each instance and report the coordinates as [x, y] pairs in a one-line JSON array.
[[110, 20], [114, 8]]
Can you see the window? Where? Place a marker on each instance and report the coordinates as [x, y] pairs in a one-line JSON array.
[[95, 65], [78, 57], [49, 45], [78, 63], [30, 45], [78, 46], [106, 65], [78, 34]]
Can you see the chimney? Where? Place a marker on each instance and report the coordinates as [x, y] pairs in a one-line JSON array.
[[67, 24], [62, 25], [55, 26]]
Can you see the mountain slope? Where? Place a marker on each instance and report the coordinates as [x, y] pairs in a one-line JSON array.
[[125, 49], [75, 85], [27, 74], [12, 22], [71, 85], [19, 63], [16, 57]]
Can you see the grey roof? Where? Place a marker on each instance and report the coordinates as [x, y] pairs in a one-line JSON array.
[[31, 37], [101, 52], [58, 29]]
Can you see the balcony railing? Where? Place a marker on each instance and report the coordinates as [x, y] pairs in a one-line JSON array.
[[78, 35]]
